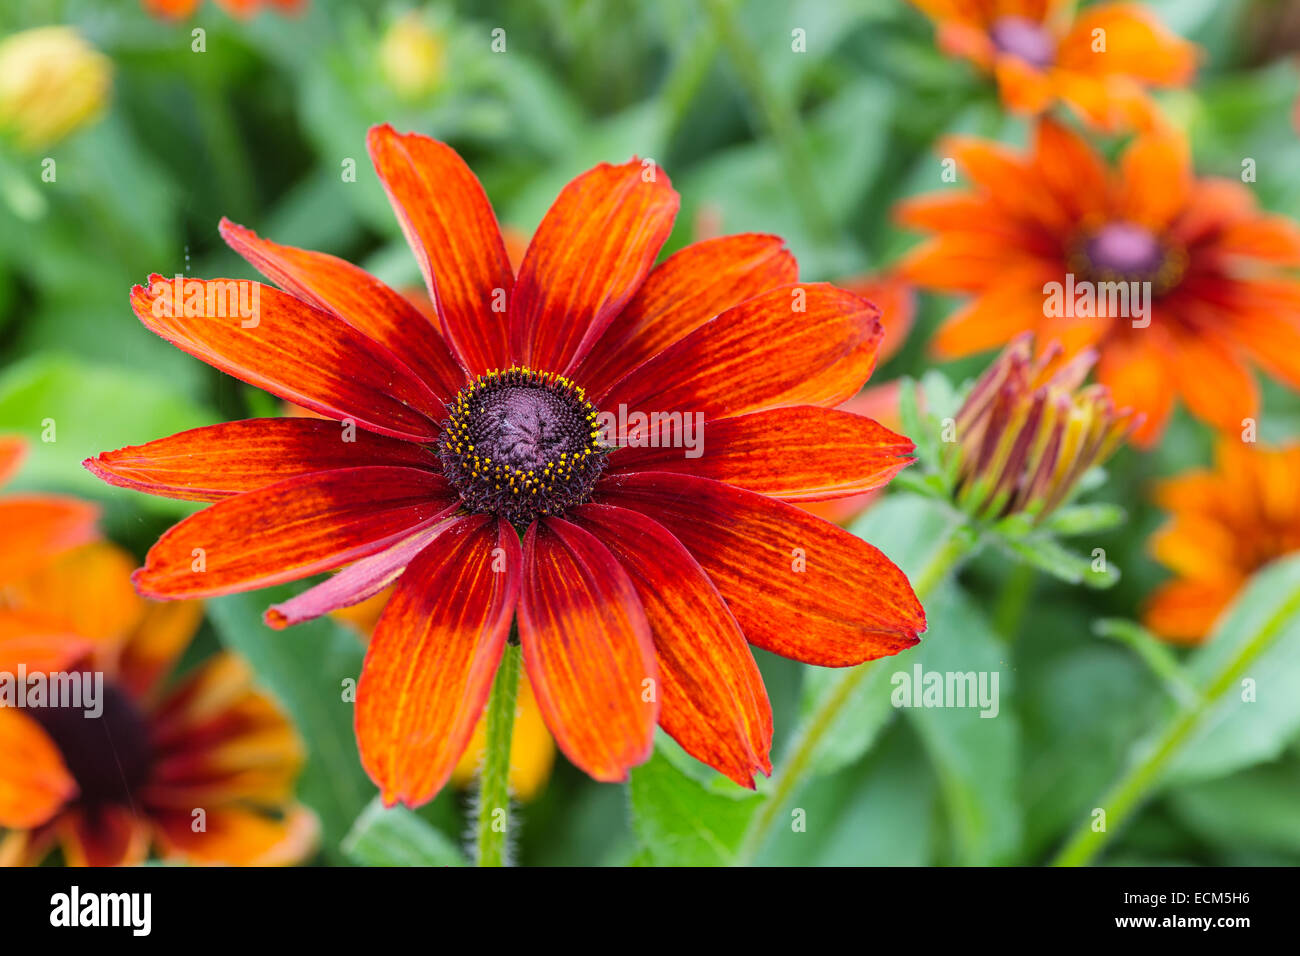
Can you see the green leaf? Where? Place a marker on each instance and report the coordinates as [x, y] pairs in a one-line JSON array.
[[1045, 554], [1256, 809], [678, 822], [90, 409], [307, 668], [974, 748], [1238, 731], [395, 836], [1085, 519]]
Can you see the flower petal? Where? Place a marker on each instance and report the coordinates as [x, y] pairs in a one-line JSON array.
[[291, 529], [591, 252], [359, 299], [35, 783], [679, 295], [292, 350], [39, 527], [239, 836], [449, 224], [218, 461], [357, 582], [797, 453], [112, 836], [12, 452], [714, 702], [798, 345], [797, 585], [433, 656], [587, 649]]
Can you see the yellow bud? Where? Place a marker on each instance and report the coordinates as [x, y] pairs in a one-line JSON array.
[[412, 57], [51, 82]]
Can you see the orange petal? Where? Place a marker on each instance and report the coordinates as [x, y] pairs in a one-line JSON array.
[[591, 252], [238, 836], [1184, 611], [449, 224], [1155, 179], [798, 345], [1212, 379], [1137, 45], [1133, 367], [795, 453], [433, 656], [34, 783], [38, 527], [218, 461], [162, 635], [1071, 169], [359, 299], [1023, 88], [798, 586], [587, 649], [12, 452], [1012, 303], [292, 350], [38, 641], [679, 295], [289, 530], [714, 702], [896, 300], [89, 590]]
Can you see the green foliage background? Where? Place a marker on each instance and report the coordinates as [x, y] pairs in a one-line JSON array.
[[815, 147]]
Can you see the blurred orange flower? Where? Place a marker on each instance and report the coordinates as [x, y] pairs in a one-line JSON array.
[[1100, 63], [1226, 523], [205, 770], [182, 9], [1200, 254]]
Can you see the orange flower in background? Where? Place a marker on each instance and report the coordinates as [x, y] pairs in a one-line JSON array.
[[1039, 234], [643, 572], [1100, 62], [104, 781], [243, 9], [1225, 524]]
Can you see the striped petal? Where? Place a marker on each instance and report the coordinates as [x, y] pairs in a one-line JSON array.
[[588, 650], [797, 585], [592, 251], [218, 461], [292, 350], [449, 224], [292, 529], [714, 702], [433, 656]]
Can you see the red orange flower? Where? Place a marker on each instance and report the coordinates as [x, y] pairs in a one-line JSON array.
[[1100, 63], [1226, 523], [204, 770], [1059, 218], [181, 9], [642, 572]]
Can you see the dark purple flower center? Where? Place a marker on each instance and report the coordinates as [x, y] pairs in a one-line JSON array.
[[1126, 252], [522, 444], [109, 756], [1023, 38]]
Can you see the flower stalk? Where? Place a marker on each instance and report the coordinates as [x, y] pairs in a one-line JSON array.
[[493, 825]]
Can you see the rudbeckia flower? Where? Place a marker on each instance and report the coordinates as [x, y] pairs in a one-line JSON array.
[[1100, 62], [204, 770], [1225, 524], [52, 82], [642, 571], [243, 9], [1177, 281]]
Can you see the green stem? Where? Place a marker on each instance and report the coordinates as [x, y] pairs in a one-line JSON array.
[[494, 787], [1013, 601], [1129, 793], [786, 781]]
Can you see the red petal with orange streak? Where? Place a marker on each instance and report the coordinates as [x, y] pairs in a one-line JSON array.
[[291, 529], [587, 649], [359, 299], [433, 656], [847, 605], [299, 353], [796, 453], [449, 224], [799, 345], [35, 783], [218, 461], [679, 295], [240, 836], [111, 836], [592, 251], [714, 703]]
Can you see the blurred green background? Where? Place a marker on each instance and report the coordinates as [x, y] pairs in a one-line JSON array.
[[815, 146]]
